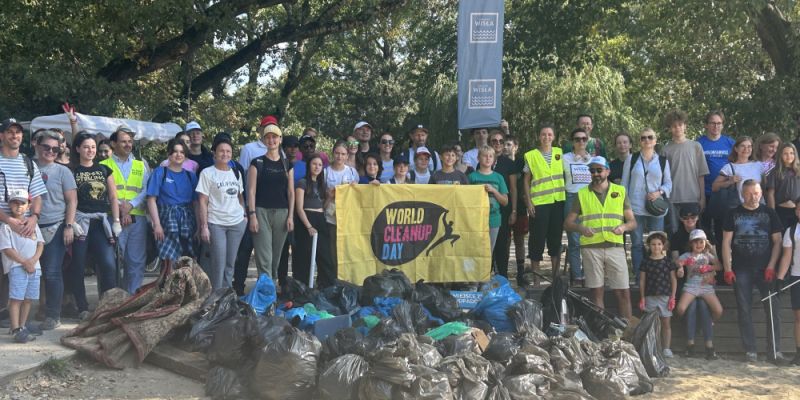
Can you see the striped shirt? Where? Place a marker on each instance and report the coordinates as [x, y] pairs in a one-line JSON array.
[[14, 175]]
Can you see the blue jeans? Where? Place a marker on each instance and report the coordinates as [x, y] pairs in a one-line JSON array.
[[133, 246], [644, 223], [573, 242], [52, 260], [743, 289], [103, 253]]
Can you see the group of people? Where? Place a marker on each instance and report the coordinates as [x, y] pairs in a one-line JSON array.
[[280, 195]]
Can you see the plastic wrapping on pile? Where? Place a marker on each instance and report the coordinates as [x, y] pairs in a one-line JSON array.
[[220, 306], [647, 341], [450, 328], [262, 296], [468, 375], [224, 384], [389, 283], [437, 300], [344, 295], [340, 378], [286, 366], [526, 315], [496, 302]]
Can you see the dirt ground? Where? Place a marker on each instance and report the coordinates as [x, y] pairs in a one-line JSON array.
[[81, 378], [690, 379]]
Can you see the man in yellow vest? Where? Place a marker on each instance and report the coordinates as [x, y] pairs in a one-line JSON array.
[[130, 176], [605, 215]]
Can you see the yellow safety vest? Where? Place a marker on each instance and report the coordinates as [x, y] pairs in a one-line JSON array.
[[547, 181], [602, 218], [130, 188]]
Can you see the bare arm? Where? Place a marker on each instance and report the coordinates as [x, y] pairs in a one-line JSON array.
[[786, 260], [776, 250], [202, 217], [112, 197], [642, 275], [152, 209], [673, 281], [252, 178], [290, 195], [771, 198], [727, 237], [701, 184], [526, 183]]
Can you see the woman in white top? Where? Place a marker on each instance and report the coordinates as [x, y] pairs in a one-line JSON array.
[[576, 177], [338, 173], [741, 167], [645, 180], [220, 215]]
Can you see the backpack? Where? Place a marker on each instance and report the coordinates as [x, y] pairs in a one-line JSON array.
[[662, 162], [28, 165], [188, 176]]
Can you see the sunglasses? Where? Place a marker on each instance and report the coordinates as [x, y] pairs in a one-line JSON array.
[[647, 137], [50, 149], [580, 139], [352, 143], [387, 141], [596, 170], [497, 141]]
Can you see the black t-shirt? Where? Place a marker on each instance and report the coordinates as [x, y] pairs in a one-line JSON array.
[[506, 167], [751, 246], [312, 197], [204, 160], [92, 188], [657, 281], [615, 175], [272, 182]]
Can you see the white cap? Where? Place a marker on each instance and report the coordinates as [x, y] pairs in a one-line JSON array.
[[361, 124], [18, 195], [599, 160], [192, 126], [422, 150], [697, 234]]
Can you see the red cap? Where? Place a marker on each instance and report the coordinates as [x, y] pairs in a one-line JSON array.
[[269, 119]]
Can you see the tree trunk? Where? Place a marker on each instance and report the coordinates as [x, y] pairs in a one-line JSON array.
[[777, 38]]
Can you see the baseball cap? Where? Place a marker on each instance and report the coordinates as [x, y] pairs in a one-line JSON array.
[[290, 141], [8, 123], [361, 124], [422, 150], [271, 128], [401, 160], [306, 138], [268, 120], [415, 127], [697, 234], [599, 160], [192, 125], [18, 195], [124, 128], [689, 209]]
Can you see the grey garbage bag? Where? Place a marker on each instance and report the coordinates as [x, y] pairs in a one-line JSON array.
[[526, 314], [224, 384], [370, 388], [340, 380], [524, 363], [603, 383], [430, 384], [647, 340], [287, 367], [527, 386], [468, 374]]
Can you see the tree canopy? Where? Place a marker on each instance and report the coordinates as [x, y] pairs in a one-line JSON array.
[[330, 63]]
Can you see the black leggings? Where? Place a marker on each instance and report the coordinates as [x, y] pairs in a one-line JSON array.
[[546, 227], [301, 256]]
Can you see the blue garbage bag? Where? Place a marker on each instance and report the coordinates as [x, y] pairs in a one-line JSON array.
[[386, 304], [262, 295], [497, 300]]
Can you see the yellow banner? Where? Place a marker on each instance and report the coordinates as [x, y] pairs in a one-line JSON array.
[[439, 233]]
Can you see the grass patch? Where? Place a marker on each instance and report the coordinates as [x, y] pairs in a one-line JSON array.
[[56, 367]]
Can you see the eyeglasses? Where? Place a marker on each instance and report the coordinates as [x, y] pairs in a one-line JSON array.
[[647, 137], [579, 139], [687, 217], [497, 141], [51, 149], [352, 143], [596, 170], [715, 123], [387, 141]]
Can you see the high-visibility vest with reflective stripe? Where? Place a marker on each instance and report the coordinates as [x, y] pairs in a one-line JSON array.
[[547, 180], [602, 218], [130, 188]]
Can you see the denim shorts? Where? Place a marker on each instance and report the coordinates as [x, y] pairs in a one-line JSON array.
[[698, 290], [22, 285], [659, 303]]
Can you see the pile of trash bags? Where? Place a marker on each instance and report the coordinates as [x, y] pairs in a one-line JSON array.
[[406, 342]]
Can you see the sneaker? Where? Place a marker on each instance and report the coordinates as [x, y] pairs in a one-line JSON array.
[[711, 355], [21, 335], [34, 329], [49, 324], [751, 357], [668, 353], [84, 315]]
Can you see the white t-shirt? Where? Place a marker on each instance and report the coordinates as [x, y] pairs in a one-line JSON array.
[[422, 178], [749, 170], [343, 177], [787, 242], [222, 189], [26, 247], [576, 172]]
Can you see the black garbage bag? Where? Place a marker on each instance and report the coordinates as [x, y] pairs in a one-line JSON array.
[[340, 379], [395, 370], [526, 315], [437, 300], [370, 388], [468, 374], [323, 303], [574, 359], [220, 306], [603, 383], [402, 315], [223, 384], [627, 360], [430, 384], [344, 295], [524, 363], [232, 344], [344, 341], [287, 366], [553, 301], [527, 386], [568, 383], [502, 347], [458, 344], [387, 330], [388, 283], [297, 292], [647, 341], [498, 392], [270, 329]]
